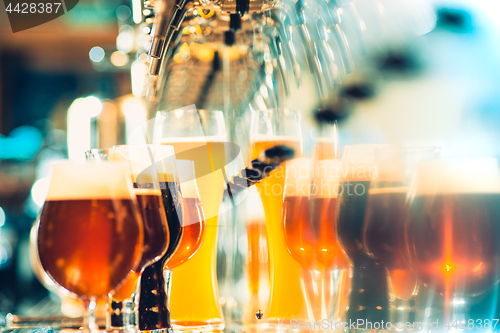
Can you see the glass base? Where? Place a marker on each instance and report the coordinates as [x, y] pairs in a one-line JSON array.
[[201, 326], [159, 330]]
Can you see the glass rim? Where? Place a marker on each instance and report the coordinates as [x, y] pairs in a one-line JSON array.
[[215, 111], [270, 110]]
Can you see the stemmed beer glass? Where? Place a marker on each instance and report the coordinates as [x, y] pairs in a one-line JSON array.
[[368, 299], [311, 189], [144, 161], [90, 235], [384, 224], [452, 233]]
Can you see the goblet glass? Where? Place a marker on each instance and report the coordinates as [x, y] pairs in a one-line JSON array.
[[90, 234], [452, 232]]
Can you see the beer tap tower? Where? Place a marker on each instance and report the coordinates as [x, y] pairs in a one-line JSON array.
[[251, 52]]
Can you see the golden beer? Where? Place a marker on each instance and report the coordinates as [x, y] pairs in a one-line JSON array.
[[194, 297], [286, 299]]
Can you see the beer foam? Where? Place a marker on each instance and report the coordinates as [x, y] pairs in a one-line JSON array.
[[299, 173], [277, 138], [327, 174], [149, 163], [457, 176], [385, 190], [187, 179], [373, 162], [201, 139], [147, 191], [107, 180]]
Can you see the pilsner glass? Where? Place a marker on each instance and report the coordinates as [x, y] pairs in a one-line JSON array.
[[90, 235], [453, 231], [198, 136], [123, 302], [287, 301]]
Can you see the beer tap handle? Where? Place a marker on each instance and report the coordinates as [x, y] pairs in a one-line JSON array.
[[284, 26], [260, 168], [276, 53]]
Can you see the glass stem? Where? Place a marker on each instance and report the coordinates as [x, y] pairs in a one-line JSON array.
[[310, 289], [339, 294], [89, 320], [403, 310], [124, 315], [154, 298]]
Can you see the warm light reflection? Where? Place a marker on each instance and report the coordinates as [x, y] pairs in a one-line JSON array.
[[135, 116], [79, 117], [448, 268], [119, 58]]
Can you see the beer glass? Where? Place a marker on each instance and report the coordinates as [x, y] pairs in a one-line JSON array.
[[90, 235], [453, 229], [198, 136], [298, 230], [332, 262], [368, 299], [384, 225], [270, 128], [311, 189], [123, 302]]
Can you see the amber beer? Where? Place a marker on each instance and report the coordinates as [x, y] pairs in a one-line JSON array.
[[89, 224], [298, 231], [297, 228], [194, 298], [384, 236], [194, 217], [286, 299], [323, 209], [454, 226]]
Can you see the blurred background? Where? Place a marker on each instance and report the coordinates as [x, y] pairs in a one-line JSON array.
[[76, 83]]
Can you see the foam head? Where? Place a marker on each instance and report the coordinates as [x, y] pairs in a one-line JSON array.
[[373, 162], [148, 163], [326, 178], [187, 179], [107, 180], [298, 179], [457, 176]]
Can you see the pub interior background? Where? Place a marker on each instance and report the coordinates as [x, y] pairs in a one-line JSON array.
[[442, 87]]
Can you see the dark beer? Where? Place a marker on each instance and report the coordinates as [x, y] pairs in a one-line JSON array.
[[88, 246], [384, 236], [156, 237], [156, 229], [153, 311], [453, 240], [369, 294]]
